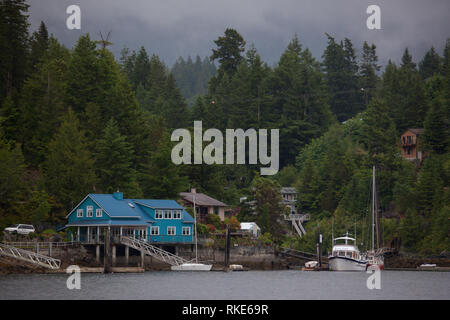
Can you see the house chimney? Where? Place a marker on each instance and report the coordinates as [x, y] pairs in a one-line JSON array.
[[118, 195], [193, 190]]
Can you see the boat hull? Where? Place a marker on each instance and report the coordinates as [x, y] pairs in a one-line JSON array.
[[192, 267], [346, 264]]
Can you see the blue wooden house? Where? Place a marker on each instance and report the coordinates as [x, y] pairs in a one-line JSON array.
[[156, 221]]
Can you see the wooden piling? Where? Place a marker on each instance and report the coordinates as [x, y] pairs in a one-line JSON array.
[[113, 255], [107, 248], [97, 253], [227, 247]]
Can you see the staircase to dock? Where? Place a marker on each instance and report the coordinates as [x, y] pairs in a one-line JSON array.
[[297, 220], [153, 251], [29, 256]]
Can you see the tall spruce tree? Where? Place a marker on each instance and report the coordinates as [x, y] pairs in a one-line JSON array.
[[299, 105], [436, 137], [14, 44], [39, 44], [163, 180], [69, 167], [430, 64], [368, 71], [42, 103], [341, 68], [114, 159]]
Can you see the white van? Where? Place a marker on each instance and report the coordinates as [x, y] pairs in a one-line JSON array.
[[20, 229]]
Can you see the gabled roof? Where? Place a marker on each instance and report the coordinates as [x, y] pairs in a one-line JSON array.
[[288, 190], [159, 204], [415, 130], [117, 208], [129, 211], [202, 199], [165, 204]]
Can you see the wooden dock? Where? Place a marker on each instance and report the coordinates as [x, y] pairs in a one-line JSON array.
[[436, 269]]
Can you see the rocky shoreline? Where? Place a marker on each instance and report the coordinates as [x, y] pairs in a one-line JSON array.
[[257, 262]]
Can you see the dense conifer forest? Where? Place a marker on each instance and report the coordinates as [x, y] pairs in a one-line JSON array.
[[78, 120]]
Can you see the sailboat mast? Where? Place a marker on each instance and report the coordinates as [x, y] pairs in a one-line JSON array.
[[373, 209], [195, 226]]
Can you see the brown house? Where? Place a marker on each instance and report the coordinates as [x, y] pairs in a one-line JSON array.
[[410, 144], [204, 205]]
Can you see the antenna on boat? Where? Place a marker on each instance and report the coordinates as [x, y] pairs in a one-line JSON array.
[[373, 208]]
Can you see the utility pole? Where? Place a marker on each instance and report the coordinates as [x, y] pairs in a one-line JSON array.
[[227, 247]]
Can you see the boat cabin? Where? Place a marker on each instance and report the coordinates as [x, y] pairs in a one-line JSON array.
[[345, 249]]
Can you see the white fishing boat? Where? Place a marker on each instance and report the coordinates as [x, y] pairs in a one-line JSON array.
[[346, 256], [193, 266]]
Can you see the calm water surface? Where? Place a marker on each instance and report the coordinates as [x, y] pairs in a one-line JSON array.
[[287, 284]]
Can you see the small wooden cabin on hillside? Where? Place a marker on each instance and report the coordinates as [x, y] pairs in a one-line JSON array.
[[410, 144]]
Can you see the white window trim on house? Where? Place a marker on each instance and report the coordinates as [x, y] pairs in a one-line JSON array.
[[99, 213], [188, 233], [177, 214], [159, 214], [89, 211], [80, 213], [167, 214], [154, 228], [171, 228]]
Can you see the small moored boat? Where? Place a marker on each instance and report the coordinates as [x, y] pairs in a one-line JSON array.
[[192, 267]]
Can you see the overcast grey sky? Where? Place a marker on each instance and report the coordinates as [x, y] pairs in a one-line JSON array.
[[173, 28]]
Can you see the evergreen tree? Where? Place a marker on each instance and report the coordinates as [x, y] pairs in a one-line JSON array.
[[430, 64], [341, 68], [164, 180], [299, 106], [436, 136], [368, 71], [14, 45], [141, 70], [446, 72], [42, 103], [39, 44], [404, 92], [192, 77], [12, 171], [379, 129], [69, 167], [267, 194], [228, 53], [114, 157], [10, 119]]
